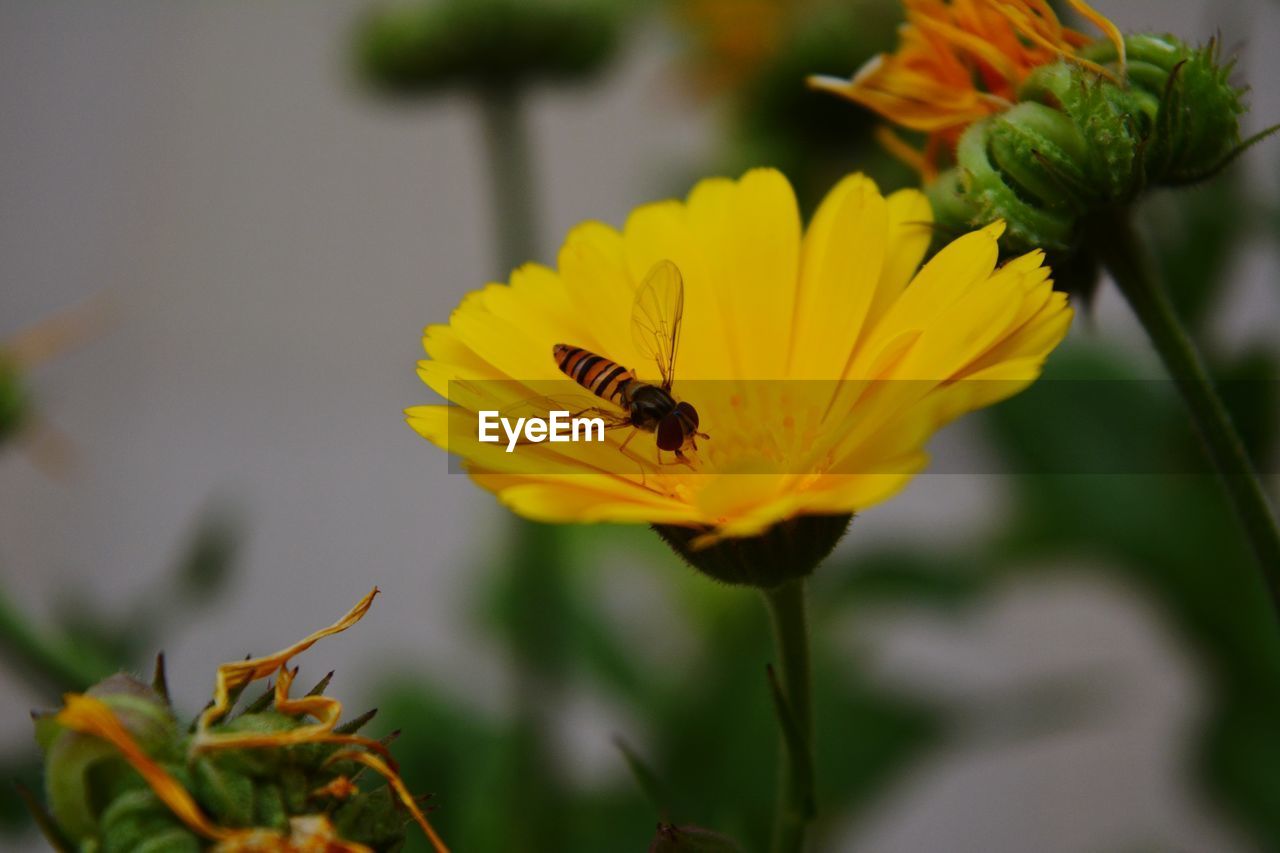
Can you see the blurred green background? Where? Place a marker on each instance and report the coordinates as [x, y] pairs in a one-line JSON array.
[[275, 198]]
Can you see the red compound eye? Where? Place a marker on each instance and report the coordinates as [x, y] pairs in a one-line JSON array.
[[689, 413], [670, 433]]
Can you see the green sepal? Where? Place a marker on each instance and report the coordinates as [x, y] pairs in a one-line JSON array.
[[374, 817], [1196, 124], [1110, 122], [223, 788], [789, 550], [983, 191], [137, 820], [269, 807], [294, 789], [47, 728], [1039, 151]]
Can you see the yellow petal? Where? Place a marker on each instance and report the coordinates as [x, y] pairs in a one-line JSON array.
[[910, 232], [840, 274], [750, 233]]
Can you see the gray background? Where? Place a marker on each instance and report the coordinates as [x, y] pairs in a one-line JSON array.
[[271, 242]]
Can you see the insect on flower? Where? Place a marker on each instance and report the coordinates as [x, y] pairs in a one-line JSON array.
[[656, 318], [821, 359]]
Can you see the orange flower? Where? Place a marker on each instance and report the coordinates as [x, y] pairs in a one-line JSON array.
[[735, 37], [959, 61]]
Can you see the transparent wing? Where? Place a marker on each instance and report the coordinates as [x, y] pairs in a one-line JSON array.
[[541, 407], [656, 316], [577, 405]]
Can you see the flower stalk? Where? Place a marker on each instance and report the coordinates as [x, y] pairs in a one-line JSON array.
[[792, 696], [509, 163], [538, 574], [1113, 238]]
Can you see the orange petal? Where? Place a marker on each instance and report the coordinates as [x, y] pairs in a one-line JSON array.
[[379, 766], [234, 676]]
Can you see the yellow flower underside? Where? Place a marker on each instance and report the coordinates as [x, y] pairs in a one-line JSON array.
[[959, 61], [891, 353], [307, 833]]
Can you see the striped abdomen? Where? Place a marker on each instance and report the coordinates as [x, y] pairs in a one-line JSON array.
[[601, 376]]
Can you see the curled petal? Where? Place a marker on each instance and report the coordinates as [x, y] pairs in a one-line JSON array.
[[234, 676]]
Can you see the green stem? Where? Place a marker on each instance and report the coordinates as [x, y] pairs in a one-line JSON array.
[[1121, 250], [53, 665], [794, 808], [510, 166], [532, 581]]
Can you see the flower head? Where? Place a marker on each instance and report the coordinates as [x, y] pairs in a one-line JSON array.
[[418, 48], [959, 61], [820, 361], [123, 774]]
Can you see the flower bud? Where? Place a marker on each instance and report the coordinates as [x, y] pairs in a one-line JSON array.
[[432, 46], [82, 772], [1192, 108], [788, 550], [1080, 140]]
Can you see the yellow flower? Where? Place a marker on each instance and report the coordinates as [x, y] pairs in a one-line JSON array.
[[961, 60], [820, 360]]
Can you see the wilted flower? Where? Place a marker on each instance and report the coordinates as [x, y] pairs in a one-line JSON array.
[[123, 775], [820, 361]]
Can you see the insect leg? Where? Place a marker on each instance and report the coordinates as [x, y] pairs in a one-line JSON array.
[[635, 457]]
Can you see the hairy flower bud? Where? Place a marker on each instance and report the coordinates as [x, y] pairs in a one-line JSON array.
[[1192, 108], [1079, 140], [83, 772]]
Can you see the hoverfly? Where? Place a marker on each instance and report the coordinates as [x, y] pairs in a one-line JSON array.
[[656, 316]]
